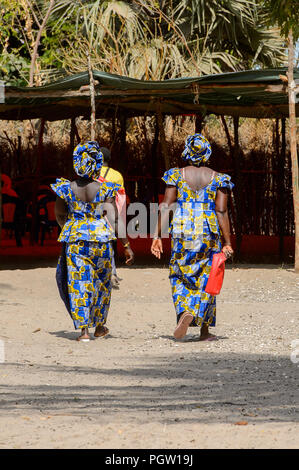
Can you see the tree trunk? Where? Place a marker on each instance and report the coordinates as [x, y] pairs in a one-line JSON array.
[[293, 143], [37, 41]]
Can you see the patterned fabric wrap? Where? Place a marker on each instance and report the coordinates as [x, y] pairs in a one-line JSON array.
[[196, 237], [190, 266], [88, 160], [85, 219], [89, 282], [195, 210], [61, 278], [197, 149]]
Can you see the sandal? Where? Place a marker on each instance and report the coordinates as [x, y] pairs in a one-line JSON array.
[[105, 332], [183, 326]]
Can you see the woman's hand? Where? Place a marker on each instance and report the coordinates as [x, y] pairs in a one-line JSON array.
[[157, 248], [129, 255], [228, 251]]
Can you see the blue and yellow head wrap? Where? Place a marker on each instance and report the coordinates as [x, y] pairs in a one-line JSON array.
[[197, 149], [88, 160]]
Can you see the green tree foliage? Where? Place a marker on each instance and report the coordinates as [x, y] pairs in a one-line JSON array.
[[285, 13], [149, 39], [172, 38], [19, 23]]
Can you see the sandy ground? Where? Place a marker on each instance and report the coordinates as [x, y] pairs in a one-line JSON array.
[[138, 388]]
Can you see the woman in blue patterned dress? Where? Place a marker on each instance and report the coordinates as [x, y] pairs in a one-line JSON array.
[[86, 212], [199, 221]]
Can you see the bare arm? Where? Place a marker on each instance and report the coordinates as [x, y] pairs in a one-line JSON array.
[[170, 197], [223, 220], [61, 211]]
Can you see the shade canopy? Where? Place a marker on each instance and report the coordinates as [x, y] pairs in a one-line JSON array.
[[254, 93]]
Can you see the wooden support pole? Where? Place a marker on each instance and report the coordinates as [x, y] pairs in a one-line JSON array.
[[113, 132], [164, 150], [72, 146], [123, 163], [92, 101], [199, 120], [0, 201], [293, 143], [238, 189], [40, 150], [281, 186], [155, 162], [225, 126]]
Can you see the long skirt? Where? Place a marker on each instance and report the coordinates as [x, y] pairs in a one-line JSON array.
[[190, 266], [84, 281]]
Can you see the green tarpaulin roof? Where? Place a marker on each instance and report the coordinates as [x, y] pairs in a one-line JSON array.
[[255, 93]]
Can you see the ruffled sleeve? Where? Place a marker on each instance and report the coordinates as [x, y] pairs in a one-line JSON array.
[[171, 176], [224, 181], [62, 188], [111, 189]]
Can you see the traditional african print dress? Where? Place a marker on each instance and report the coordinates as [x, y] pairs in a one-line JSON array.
[[196, 237], [87, 237]]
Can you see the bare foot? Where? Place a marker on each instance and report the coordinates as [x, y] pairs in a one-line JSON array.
[[205, 335], [101, 331], [183, 325], [84, 335]]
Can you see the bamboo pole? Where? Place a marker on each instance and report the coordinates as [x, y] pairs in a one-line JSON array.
[[293, 143]]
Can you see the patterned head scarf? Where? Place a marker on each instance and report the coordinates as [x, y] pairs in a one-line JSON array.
[[197, 149], [88, 160]]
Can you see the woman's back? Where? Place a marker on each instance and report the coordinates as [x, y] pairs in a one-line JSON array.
[[85, 191], [197, 178], [85, 210]]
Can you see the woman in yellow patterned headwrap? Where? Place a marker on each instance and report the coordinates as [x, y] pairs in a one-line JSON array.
[[200, 219], [84, 269]]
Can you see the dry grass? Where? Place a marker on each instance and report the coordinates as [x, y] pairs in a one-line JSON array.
[[259, 160]]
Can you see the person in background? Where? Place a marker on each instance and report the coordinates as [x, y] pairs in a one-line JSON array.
[[83, 209], [113, 176], [13, 209], [200, 220]]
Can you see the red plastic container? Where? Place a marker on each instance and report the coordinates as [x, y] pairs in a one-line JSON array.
[[216, 276]]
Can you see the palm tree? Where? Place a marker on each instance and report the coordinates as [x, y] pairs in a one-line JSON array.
[[171, 38]]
